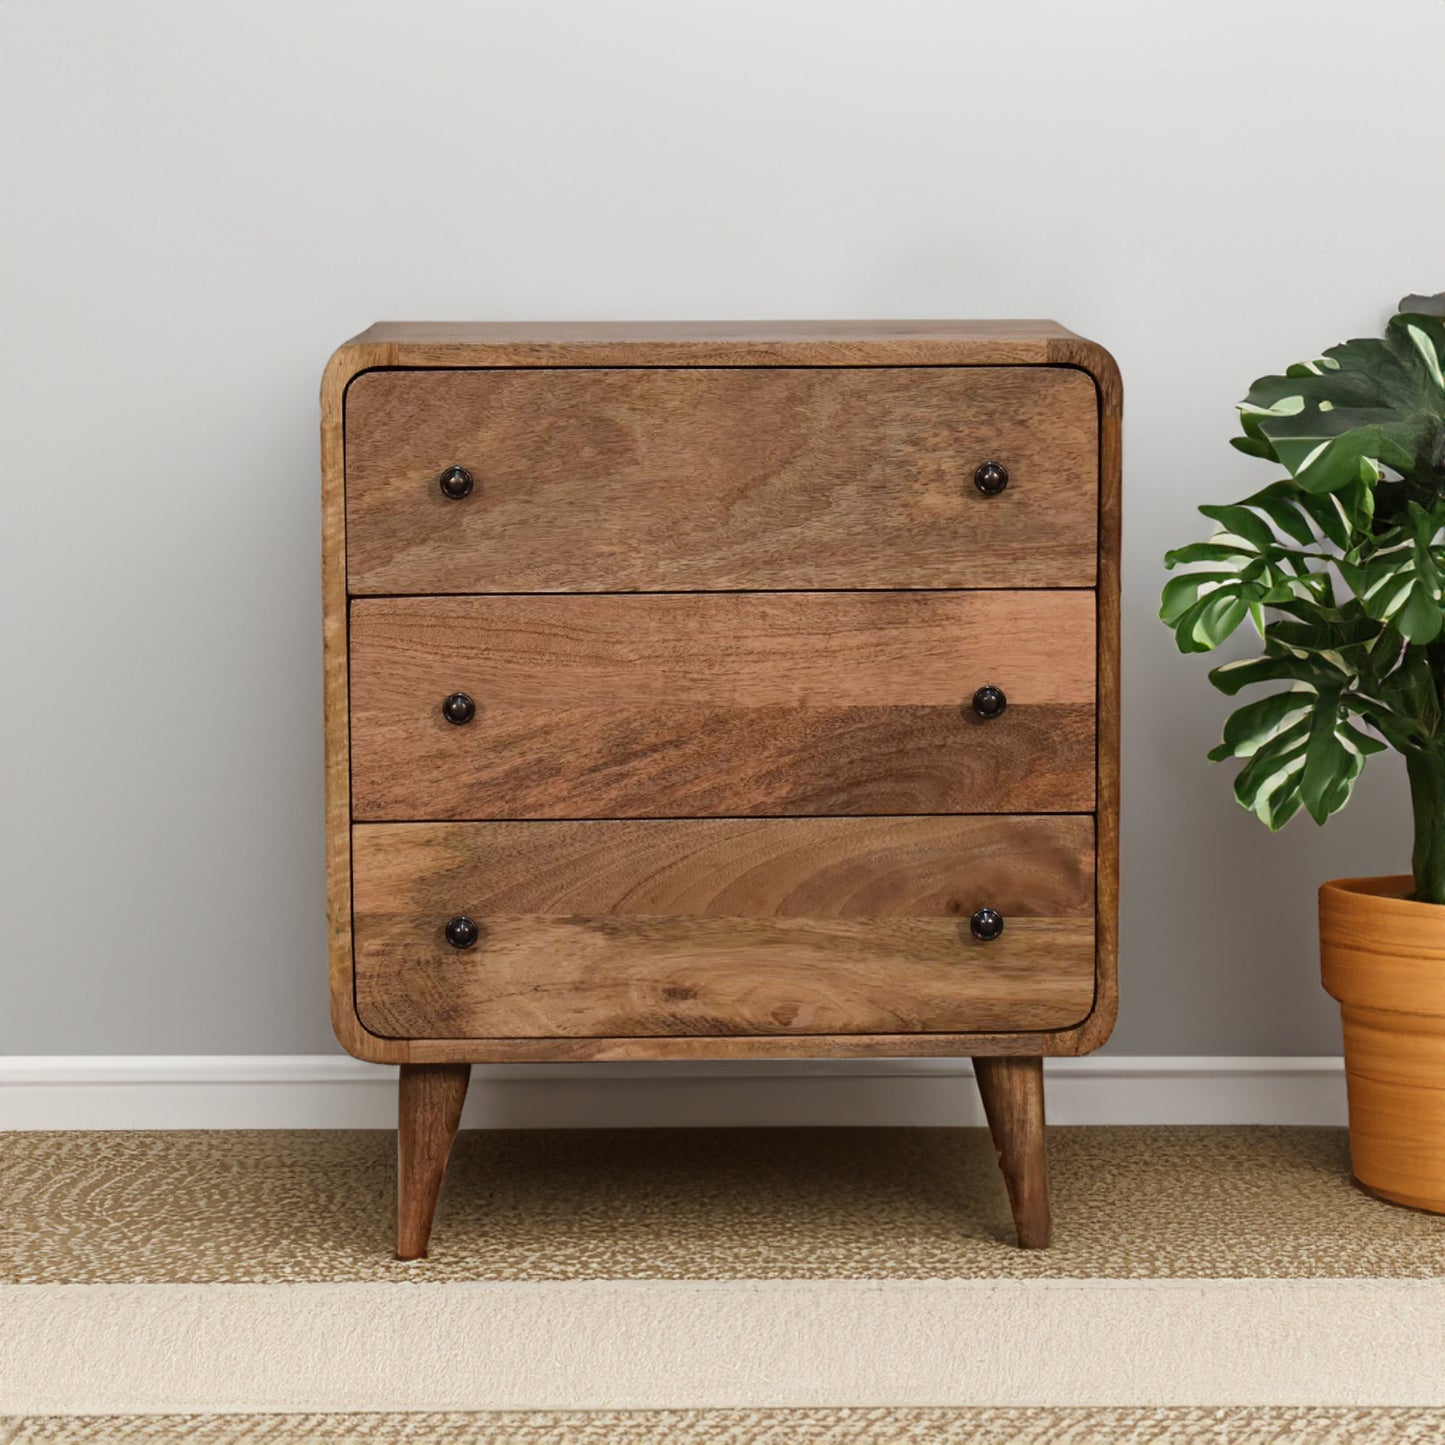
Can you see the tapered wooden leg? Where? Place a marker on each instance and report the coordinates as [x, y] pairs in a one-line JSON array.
[[430, 1108], [1013, 1099]]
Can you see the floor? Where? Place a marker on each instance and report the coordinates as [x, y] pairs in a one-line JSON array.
[[1129, 1203], [1182, 1426], [1202, 1255]]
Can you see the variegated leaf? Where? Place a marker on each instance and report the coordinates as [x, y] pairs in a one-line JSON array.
[[1400, 579], [1363, 406]]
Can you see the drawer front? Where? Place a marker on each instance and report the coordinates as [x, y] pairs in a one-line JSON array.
[[722, 705], [725, 926], [720, 478]]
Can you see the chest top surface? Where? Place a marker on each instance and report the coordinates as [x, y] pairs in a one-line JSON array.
[[741, 343]]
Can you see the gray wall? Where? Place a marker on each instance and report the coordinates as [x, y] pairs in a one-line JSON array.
[[202, 200]]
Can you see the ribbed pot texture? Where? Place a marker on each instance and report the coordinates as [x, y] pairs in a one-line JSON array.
[[1383, 958]]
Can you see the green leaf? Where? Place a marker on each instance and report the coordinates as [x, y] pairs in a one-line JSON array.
[[1231, 677], [1280, 806], [1329, 515], [1420, 620], [1420, 332], [1324, 634], [1400, 579], [1212, 619], [1207, 552], [1272, 772], [1326, 757], [1366, 404], [1252, 726], [1254, 447], [1240, 522], [1182, 592], [1302, 750], [1280, 503], [1362, 743]]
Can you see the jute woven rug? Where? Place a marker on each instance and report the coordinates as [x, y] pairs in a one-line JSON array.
[[1179, 1426], [699, 1285]]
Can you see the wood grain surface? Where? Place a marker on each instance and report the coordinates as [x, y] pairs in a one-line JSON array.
[[345, 363], [429, 1111], [693, 704], [1012, 1090], [447, 346], [1100, 366], [870, 340], [601, 480], [728, 926], [425, 345]]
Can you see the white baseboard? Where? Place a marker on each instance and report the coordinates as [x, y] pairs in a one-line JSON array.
[[323, 1091]]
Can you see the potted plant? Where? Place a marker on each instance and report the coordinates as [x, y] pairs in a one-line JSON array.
[[1340, 567]]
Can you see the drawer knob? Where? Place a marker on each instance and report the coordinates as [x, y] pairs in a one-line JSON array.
[[461, 931], [456, 483], [989, 702], [459, 709], [986, 924], [991, 478]]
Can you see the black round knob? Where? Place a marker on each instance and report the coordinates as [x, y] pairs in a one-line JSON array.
[[456, 483], [991, 478], [459, 709], [461, 931], [986, 924], [989, 702]]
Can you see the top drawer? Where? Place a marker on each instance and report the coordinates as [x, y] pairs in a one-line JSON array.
[[698, 479]]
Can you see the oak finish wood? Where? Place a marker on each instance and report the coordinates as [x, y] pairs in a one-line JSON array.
[[707, 704], [346, 363], [720, 976], [886, 867], [934, 343], [846, 925], [451, 344], [694, 478], [430, 1099], [1075, 351], [1013, 1100]]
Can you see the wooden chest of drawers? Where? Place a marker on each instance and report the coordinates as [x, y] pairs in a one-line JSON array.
[[721, 691]]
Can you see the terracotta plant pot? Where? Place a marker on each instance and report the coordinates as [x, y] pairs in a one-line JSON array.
[[1383, 958]]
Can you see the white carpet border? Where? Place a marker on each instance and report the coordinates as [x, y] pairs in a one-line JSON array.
[[119, 1349]]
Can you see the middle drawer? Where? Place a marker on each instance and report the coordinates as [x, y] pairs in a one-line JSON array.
[[721, 704]]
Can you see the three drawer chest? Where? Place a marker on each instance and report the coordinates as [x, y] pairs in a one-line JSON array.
[[721, 691]]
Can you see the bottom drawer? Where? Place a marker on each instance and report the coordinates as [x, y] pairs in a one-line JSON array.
[[638, 928]]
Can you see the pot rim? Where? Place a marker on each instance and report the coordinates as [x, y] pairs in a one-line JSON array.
[[1387, 892]]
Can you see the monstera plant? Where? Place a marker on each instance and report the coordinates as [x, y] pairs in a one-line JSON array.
[[1339, 567]]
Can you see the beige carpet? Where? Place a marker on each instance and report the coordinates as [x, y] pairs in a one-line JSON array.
[[728, 1204], [1301, 1426], [1206, 1285]]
